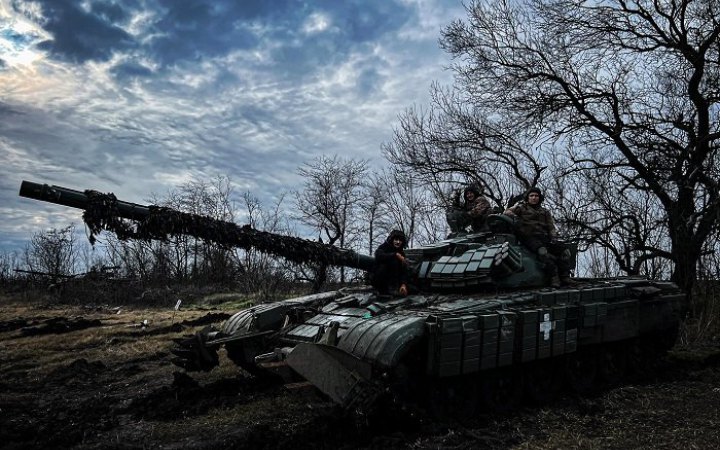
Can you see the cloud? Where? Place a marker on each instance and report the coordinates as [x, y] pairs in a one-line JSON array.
[[316, 23], [136, 97], [80, 35], [131, 70], [299, 35]]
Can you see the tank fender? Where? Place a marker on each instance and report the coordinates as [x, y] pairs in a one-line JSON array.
[[270, 316], [383, 340]]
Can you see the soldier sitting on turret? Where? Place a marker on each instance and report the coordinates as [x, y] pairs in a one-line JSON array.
[[390, 274], [536, 230], [472, 212]]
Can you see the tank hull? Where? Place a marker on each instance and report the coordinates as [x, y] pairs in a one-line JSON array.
[[356, 346]]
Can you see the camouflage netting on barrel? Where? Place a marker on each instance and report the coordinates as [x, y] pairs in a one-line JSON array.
[[161, 223]]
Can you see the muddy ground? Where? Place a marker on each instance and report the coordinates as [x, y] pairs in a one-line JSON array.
[[101, 377]]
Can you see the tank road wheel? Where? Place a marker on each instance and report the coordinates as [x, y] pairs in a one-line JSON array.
[[613, 364], [453, 397], [502, 390], [543, 381], [581, 370]]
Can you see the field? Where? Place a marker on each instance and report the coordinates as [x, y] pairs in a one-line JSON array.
[[101, 377]]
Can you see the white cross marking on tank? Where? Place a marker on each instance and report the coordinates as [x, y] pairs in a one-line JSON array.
[[546, 326]]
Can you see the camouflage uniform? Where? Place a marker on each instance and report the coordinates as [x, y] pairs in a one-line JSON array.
[[477, 211], [473, 213], [534, 221], [536, 230]]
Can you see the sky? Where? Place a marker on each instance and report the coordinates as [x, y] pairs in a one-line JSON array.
[[136, 97]]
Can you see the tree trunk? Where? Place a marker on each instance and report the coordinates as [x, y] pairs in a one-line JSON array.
[[686, 253], [320, 278]]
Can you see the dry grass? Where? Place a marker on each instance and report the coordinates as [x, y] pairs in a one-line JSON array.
[[122, 336], [126, 397], [702, 326]]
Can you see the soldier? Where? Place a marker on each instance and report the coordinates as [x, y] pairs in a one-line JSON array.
[[390, 274], [473, 212], [536, 230]]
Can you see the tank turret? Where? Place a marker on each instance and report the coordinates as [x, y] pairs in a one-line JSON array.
[[481, 324]]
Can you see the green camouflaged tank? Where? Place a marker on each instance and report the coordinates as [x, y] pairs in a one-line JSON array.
[[480, 325]]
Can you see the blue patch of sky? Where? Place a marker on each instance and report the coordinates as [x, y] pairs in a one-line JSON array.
[[18, 40]]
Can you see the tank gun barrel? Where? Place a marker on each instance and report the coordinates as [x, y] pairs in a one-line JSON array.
[[105, 212], [77, 199]]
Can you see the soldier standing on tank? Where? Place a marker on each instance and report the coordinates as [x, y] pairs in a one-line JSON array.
[[390, 275], [536, 230], [473, 212]]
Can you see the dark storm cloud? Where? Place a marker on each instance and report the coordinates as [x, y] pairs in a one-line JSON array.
[[79, 35], [352, 24]]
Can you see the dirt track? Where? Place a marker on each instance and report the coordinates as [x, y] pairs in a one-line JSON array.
[[100, 378]]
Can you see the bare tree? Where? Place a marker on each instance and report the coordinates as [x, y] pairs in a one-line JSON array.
[[374, 208], [89, 258], [627, 225], [184, 256], [264, 274], [133, 257], [410, 207], [53, 252], [8, 263], [626, 86], [181, 257], [331, 199], [453, 143]]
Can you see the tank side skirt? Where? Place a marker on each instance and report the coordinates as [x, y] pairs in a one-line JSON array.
[[473, 342]]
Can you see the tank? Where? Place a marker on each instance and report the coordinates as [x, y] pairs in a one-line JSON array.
[[479, 326]]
